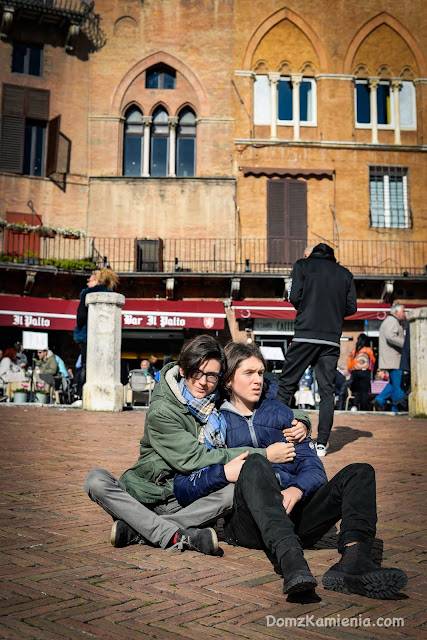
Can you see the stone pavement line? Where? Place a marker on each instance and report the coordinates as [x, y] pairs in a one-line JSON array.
[[62, 580]]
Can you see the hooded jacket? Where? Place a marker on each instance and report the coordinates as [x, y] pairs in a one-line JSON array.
[[170, 443], [262, 428], [324, 293]]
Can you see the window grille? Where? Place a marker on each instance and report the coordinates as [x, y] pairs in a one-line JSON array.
[[389, 197]]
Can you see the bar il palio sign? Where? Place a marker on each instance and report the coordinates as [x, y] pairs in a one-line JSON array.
[[57, 314]]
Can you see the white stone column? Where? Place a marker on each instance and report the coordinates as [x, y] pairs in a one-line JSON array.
[[373, 84], [146, 150], [173, 123], [296, 79], [273, 79], [103, 390], [418, 328], [396, 86]]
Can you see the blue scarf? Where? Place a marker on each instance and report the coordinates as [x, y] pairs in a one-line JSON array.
[[204, 409]]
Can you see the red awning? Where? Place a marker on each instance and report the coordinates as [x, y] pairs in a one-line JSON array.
[[263, 309], [58, 314], [38, 313], [170, 314], [285, 311]]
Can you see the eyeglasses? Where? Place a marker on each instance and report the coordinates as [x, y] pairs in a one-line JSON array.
[[210, 377]]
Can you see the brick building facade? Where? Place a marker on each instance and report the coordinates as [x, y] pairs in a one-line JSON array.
[[202, 146]]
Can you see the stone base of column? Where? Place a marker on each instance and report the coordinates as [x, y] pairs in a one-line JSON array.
[[418, 403], [103, 397]]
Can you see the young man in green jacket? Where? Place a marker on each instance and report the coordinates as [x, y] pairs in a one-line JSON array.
[[182, 414]]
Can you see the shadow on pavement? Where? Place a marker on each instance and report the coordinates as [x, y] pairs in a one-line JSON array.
[[340, 436]]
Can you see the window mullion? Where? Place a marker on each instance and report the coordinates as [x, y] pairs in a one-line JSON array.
[[296, 79], [273, 79], [146, 146], [373, 84], [387, 216], [396, 86]]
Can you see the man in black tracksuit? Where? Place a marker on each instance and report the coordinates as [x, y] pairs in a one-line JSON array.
[[324, 293]]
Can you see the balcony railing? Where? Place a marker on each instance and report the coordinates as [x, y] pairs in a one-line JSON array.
[[74, 15], [207, 255]]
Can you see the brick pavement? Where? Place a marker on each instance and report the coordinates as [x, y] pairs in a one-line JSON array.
[[61, 579]]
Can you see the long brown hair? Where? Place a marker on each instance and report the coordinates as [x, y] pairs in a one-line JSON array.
[[236, 352]]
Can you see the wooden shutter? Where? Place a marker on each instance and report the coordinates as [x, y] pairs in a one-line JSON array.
[[17, 104], [275, 221], [52, 145], [297, 217], [12, 144], [13, 100], [12, 128], [37, 104], [286, 221]]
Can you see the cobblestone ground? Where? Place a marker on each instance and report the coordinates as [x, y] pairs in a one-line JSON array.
[[61, 578]]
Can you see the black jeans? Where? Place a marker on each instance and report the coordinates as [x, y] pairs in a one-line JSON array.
[[324, 359], [259, 520], [361, 386]]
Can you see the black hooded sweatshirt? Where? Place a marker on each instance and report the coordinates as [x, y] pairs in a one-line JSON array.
[[324, 293]]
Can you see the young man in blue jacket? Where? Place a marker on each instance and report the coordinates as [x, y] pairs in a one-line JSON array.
[[281, 508]]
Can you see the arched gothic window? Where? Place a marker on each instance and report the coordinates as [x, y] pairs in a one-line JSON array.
[[159, 143], [133, 143], [186, 144]]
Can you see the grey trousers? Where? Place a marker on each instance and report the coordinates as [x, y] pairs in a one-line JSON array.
[[156, 523]]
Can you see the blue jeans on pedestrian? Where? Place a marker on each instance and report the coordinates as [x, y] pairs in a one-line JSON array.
[[393, 390]]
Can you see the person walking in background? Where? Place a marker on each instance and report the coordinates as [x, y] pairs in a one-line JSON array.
[[324, 293], [361, 362], [98, 281], [391, 342]]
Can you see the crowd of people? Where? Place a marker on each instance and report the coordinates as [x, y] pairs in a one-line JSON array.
[[45, 371]]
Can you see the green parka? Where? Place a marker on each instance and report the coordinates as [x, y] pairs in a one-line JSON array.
[[170, 444]]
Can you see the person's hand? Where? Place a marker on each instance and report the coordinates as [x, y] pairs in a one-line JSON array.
[[281, 452], [232, 469], [297, 433], [291, 496]]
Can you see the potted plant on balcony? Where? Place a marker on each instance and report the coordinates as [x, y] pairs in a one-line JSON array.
[[3, 224], [46, 231], [42, 396], [73, 234], [20, 228], [21, 394], [31, 258]]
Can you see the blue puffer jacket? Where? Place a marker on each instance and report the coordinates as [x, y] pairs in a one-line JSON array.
[[263, 428]]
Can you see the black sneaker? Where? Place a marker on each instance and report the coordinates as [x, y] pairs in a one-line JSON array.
[[201, 540], [122, 535], [296, 573], [356, 573]]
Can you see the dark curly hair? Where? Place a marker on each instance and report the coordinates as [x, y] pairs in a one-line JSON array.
[[198, 350]]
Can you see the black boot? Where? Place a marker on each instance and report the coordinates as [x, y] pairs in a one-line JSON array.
[[356, 573], [122, 535], [296, 574]]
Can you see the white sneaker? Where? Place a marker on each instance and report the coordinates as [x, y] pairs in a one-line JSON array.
[[321, 450], [77, 403]]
